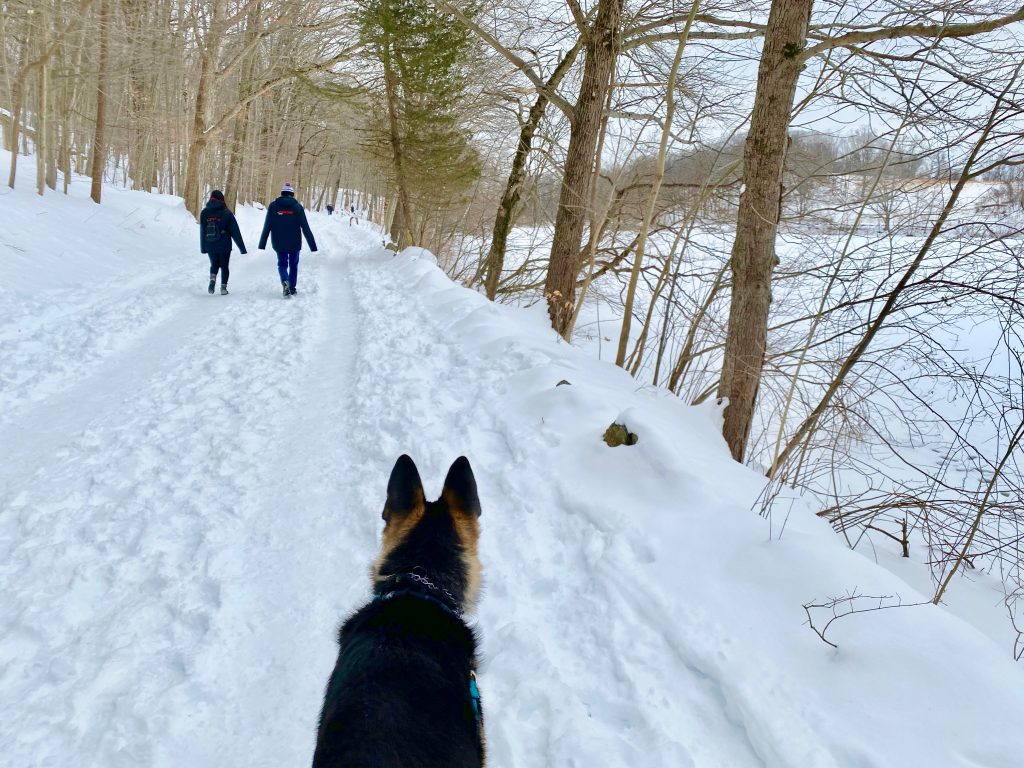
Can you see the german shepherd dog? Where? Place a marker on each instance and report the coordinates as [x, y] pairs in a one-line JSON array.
[[403, 692]]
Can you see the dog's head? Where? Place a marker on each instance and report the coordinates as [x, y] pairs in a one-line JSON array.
[[440, 537]]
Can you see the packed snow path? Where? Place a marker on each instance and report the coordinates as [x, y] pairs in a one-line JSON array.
[[191, 494], [197, 510]]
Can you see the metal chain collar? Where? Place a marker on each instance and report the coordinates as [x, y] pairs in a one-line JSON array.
[[426, 582]]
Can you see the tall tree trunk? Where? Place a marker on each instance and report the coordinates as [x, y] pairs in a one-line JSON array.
[[6, 68], [51, 136], [397, 222], [42, 121], [17, 99], [403, 219], [46, 140], [753, 254], [197, 144], [65, 157], [99, 143], [495, 260], [296, 164], [564, 264], [209, 49], [238, 141], [67, 99], [598, 218]]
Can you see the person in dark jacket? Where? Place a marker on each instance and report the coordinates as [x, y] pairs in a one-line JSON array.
[[286, 224], [217, 228]]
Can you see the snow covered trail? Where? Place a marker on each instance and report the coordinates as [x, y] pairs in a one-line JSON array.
[[155, 528], [636, 613], [190, 497], [86, 283], [193, 513], [568, 648]]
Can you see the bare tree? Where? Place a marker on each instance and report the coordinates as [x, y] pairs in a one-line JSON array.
[[600, 43], [753, 256], [495, 259], [99, 141]]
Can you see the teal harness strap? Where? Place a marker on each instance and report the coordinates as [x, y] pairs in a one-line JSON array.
[[474, 695]]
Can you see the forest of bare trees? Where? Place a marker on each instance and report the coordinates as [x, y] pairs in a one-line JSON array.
[[811, 210]]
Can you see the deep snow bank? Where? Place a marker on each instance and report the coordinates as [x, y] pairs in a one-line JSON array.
[[695, 638]]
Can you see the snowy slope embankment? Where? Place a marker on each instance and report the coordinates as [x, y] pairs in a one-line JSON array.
[[189, 502], [636, 602]]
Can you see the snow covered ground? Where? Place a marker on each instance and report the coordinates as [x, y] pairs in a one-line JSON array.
[[190, 497]]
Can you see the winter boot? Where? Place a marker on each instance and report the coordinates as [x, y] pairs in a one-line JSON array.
[[223, 290], [213, 281], [293, 290], [287, 290]]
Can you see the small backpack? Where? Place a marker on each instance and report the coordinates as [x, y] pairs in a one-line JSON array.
[[213, 232]]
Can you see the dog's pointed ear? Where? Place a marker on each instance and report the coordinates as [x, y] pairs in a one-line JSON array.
[[460, 488], [405, 489]]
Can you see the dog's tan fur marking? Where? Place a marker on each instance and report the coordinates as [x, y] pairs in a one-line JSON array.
[[467, 528], [397, 528]]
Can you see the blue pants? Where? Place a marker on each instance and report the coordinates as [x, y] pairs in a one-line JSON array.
[[288, 267]]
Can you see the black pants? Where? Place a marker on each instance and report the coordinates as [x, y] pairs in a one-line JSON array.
[[219, 261]]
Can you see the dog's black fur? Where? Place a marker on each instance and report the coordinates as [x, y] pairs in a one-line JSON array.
[[403, 691]]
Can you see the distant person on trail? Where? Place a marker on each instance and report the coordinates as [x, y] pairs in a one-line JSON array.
[[330, 209], [217, 228], [352, 219], [286, 224]]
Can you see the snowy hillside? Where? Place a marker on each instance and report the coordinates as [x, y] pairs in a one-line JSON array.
[[190, 497]]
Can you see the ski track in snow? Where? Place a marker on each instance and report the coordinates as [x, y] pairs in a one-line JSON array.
[[57, 348]]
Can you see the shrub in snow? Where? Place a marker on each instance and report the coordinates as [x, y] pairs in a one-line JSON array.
[[617, 435]]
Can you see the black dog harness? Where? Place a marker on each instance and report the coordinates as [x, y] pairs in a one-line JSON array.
[[415, 581]]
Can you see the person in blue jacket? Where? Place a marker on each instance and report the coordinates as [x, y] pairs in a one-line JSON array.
[[217, 228], [286, 224]]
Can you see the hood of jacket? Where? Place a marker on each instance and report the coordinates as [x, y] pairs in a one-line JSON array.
[[284, 201], [215, 205]]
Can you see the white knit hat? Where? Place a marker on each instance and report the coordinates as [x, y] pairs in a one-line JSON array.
[[288, 187]]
